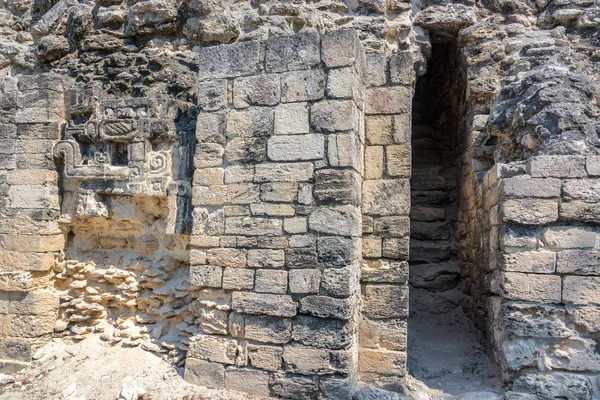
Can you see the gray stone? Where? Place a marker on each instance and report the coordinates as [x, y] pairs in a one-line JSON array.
[[302, 85], [248, 381], [262, 90], [402, 69], [229, 61], [296, 147], [288, 53], [336, 220], [209, 276], [555, 385], [327, 307], [283, 172], [386, 197], [294, 387], [204, 373], [385, 301], [267, 304], [579, 262], [322, 333], [524, 186], [557, 166], [340, 282], [333, 116], [271, 281], [337, 186], [268, 329], [339, 48], [336, 252], [303, 281]]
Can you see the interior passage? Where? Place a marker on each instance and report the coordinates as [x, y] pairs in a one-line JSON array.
[[442, 345]]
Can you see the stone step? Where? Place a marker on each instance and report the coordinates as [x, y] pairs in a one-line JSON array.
[[430, 252], [418, 213], [430, 230], [437, 277], [432, 197]]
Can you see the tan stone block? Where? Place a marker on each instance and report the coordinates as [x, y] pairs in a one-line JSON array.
[[530, 211], [385, 301], [238, 278], [204, 241], [388, 100], [272, 210], [564, 237], [31, 176], [592, 165], [247, 381], [383, 362], [532, 287], [226, 257], [265, 258], [588, 318], [268, 358], [402, 128], [38, 244], [398, 160], [243, 193], [208, 176], [541, 262], [371, 246], [583, 290], [373, 162], [308, 361], [197, 257], [386, 197], [239, 173], [379, 130], [558, 166], [389, 335], [12, 260], [262, 303], [213, 348], [271, 281], [291, 119], [295, 225], [345, 150], [204, 373]]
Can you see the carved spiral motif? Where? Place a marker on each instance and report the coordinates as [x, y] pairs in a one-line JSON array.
[[159, 162]]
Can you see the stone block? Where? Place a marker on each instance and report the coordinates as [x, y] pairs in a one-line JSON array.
[[373, 162], [205, 276], [579, 211], [305, 281], [238, 278], [334, 116], [295, 225], [296, 147], [530, 211], [525, 186], [336, 388], [328, 307], [262, 303], [392, 226], [238, 173], [17, 349], [398, 160], [337, 186], [253, 226], [291, 119], [259, 90], [385, 301], [388, 335], [343, 83], [273, 210], [371, 246], [254, 122], [268, 329], [337, 252], [243, 193], [226, 257], [584, 290], [379, 130], [271, 281], [532, 287], [209, 176], [300, 258], [383, 362], [214, 195], [30, 196], [567, 237], [283, 172], [588, 318], [339, 48], [345, 150], [578, 262], [197, 257], [268, 358], [322, 333], [554, 385], [294, 387], [557, 167], [285, 192], [212, 94], [535, 320], [265, 258], [388, 100], [344, 220], [293, 52], [204, 373], [306, 85], [376, 69], [308, 361], [402, 70], [32, 243], [229, 61], [26, 261], [247, 381], [539, 262], [585, 190], [386, 197], [592, 165], [340, 282], [208, 155], [212, 348], [246, 150]]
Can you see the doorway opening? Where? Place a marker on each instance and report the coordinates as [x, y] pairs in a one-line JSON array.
[[443, 347]]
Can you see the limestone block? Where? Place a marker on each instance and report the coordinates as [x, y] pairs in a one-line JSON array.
[[327, 307], [308, 361], [197, 257], [306, 85], [386, 197], [239, 173], [21, 281], [398, 160], [268, 329], [205, 276], [209, 176], [336, 252], [295, 52], [382, 362], [37, 115], [214, 195], [212, 94], [345, 150], [535, 320], [586, 190], [385, 301], [211, 348], [27, 326], [279, 192], [579, 211], [532, 287], [402, 70], [592, 165], [373, 162], [339, 48], [305, 196], [265, 258], [254, 122], [31, 196], [208, 155], [335, 186], [379, 130], [296, 147], [273, 210], [26, 261], [305, 280], [376, 69], [300, 258], [261, 90], [581, 290], [271, 281], [555, 384], [242, 193], [388, 100], [578, 262], [588, 318], [238, 278], [525, 186], [283, 172], [322, 333], [392, 226], [344, 220], [32, 243], [229, 61], [295, 225], [294, 387], [371, 246], [384, 271], [557, 167], [388, 335], [252, 226], [540, 262], [265, 357], [343, 83], [262, 303], [247, 381], [246, 150], [204, 373], [31, 177], [333, 116], [566, 237], [291, 119], [340, 282], [530, 211], [226, 257]]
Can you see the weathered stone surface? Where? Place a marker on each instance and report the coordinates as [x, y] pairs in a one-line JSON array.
[[209, 275], [294, 386], [386, 197], [283, 172], [524, 186], [252, 226], [335, 252], [339, 48], [541, 262], [579, 262], [248, 381], [305, 281], [333, 115], [271, 281], [268, 329], [302, 85], [204, 373], [229, 61], [581, 290], [268, 358], [238, 278], [557, 166], [570, 237], [262, 90], [212, 94], [296, 147], [336, 220], [385, 301], [288, 53], [267, 304], [391, 100], [264, 258], [383, 362], [340, 282], [337, 186], [215, 349], [557, 384], [390, 335], [586, 190], [532, 287], [291, 119], [327, 307], [530, 211]]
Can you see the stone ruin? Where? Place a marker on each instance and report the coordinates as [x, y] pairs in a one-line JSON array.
[[283, 197]]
